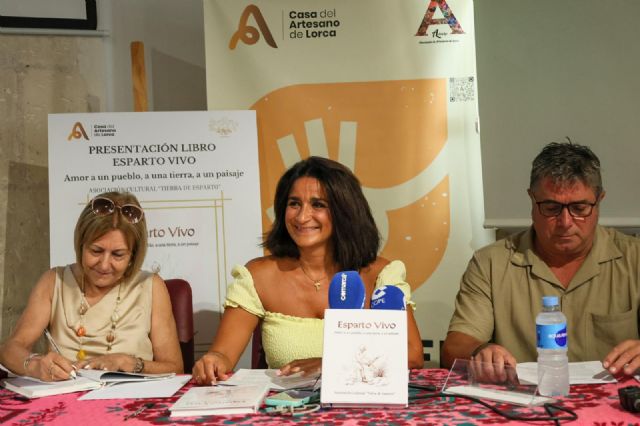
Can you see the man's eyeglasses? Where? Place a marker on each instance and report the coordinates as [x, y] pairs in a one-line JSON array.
[[553, 208], [104, 206]]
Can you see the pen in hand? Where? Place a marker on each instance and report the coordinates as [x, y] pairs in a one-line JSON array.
[[55, 347]]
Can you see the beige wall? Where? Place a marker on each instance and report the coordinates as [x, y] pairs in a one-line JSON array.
[[38, 75], [43, 74]]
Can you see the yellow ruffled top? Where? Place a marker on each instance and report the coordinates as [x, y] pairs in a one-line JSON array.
[[286, 338]]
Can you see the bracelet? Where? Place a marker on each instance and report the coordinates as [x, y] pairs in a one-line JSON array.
[[139, 364], [28, 360], [479, 348]]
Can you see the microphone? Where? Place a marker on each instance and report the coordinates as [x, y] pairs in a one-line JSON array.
[[346, 291], [388, 297]]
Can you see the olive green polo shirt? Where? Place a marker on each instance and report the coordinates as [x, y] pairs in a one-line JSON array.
[[501, 294]]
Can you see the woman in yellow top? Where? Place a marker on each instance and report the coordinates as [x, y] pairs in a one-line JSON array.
[[322, 225], [103, 312]]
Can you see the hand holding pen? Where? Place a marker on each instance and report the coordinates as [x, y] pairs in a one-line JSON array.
[[58, 363]]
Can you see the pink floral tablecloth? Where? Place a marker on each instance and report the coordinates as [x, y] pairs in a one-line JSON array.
[[596, 405]]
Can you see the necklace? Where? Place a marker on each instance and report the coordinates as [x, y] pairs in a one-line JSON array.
[[316, 282], [81, 331]]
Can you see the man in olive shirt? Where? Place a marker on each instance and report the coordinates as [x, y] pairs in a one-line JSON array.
[[594, 271]]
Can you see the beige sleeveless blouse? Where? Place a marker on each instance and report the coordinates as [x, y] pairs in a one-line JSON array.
[[133, 327]]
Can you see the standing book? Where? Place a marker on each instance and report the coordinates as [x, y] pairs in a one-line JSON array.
[[364, 358], [220, 400]]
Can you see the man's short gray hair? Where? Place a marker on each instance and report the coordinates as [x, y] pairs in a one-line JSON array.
[[567, 163]]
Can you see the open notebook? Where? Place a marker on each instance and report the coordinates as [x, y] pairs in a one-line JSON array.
[[34, 388], [87, 380]]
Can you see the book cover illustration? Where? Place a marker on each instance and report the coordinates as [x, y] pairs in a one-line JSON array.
[[368, 366]]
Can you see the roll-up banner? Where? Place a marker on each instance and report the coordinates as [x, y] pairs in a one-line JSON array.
[[386, 88], [196, 176]]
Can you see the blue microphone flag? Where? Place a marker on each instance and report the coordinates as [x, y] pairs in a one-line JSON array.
[[388, 297], [346, 291]]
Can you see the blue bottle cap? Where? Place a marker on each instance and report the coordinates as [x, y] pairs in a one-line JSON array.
[[549, 300]]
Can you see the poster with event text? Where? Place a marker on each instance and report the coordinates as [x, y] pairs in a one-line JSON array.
[[196, 176]]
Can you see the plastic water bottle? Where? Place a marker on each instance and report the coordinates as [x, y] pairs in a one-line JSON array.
[[553, 364]]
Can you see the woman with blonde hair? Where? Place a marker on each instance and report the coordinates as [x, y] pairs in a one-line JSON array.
[[102, 311]]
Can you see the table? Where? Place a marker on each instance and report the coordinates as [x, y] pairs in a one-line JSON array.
[[594, 404]]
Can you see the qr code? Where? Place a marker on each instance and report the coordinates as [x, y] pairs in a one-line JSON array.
[[461, 89]]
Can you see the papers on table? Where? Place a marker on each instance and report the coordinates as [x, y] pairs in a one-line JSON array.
[[579, 373], [270, 377], [141, 389], [121, 376], [105, 385], [31, 387]]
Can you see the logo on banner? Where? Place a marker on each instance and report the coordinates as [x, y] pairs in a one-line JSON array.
[[77, 132], [449, 19], [223, 127], [313, 24], [407, 188], [250, 34], [103, 130]]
